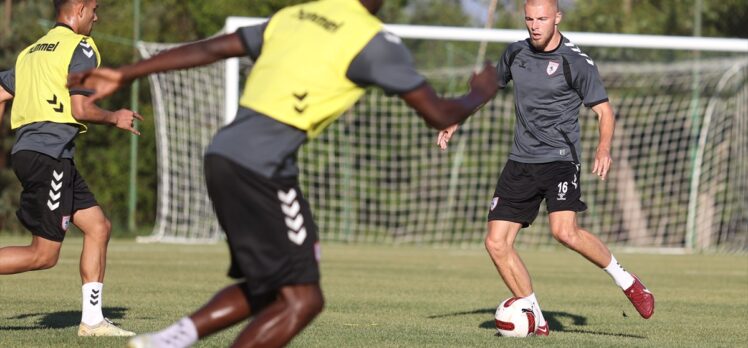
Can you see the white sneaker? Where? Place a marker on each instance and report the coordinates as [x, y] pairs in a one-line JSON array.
[[104, 328]]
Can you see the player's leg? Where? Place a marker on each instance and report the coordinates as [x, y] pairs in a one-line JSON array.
[[273, 243], [96, 228], [228, 307], [42, 209], [499, 243], [40, 254], [564, 201], [515, 205], [565, 230], [295, 307]]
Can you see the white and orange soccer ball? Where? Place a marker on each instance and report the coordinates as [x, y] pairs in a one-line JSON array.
[[515, 318]]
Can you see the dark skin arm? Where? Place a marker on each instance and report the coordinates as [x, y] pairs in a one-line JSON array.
[[105, 81], [438, 112], [441, 113]]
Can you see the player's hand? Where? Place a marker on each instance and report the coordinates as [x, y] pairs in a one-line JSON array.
[[485, 81], [125, 119], [445, 135], [104, 81], [602, 163]]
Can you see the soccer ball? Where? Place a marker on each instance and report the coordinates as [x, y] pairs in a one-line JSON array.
[[515, 318]]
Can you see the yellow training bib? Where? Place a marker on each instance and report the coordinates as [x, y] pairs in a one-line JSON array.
[[300, 77], [41, 76]]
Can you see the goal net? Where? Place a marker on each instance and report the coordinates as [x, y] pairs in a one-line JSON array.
[[679, 179]]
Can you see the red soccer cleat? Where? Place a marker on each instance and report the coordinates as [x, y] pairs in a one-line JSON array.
[[642, 299], [542, 330]]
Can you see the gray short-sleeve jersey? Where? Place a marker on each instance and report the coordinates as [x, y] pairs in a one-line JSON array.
[[56, 139], [549, 89], [268, 147]]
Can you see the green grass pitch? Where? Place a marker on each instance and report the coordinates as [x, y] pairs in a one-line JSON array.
[[390, 296]]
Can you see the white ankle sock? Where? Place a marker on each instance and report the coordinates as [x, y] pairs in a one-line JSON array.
[[536, 309], [92, 299], [181, 334], [622, 278]]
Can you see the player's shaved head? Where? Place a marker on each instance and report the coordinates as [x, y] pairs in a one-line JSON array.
[[79, 15], [61, 5], [553, 3]]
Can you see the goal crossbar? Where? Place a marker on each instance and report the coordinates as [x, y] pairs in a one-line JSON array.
[[680, 180], [503, 36]]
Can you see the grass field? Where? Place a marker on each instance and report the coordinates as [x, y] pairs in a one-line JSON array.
[[385, 296]]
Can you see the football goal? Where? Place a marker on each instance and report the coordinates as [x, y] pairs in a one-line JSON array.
[[679, 179]]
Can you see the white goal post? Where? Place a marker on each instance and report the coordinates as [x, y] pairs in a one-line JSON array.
[[679, 181]]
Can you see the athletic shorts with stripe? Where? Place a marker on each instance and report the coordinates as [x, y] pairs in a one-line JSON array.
[[522, 186], [268, 223], [53, 191]]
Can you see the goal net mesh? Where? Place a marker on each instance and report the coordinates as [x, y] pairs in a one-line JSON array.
[[679, 177]]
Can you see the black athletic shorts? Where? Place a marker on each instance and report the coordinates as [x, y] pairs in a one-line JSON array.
[[268, 224], [522, 186], [53, 191]]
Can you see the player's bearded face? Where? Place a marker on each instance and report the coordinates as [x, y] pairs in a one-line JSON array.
[[541, 21]]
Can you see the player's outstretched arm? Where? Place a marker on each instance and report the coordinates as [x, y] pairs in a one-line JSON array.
[[86, 111], [607, 120], [441, 113], [106, 81]]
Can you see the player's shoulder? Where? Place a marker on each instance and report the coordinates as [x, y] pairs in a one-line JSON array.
[[387, 38], [385, 47], [87, 47], [574, 54], [517, 46]]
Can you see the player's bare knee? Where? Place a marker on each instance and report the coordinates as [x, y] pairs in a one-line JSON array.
[[45, 260], [497, 246], [102, 230], [316, 304], [311, 304], [567, 236], [307, 303]]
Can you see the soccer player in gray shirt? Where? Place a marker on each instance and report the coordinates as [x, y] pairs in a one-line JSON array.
[[552, 79]]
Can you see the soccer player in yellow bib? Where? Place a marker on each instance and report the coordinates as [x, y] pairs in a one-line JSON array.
[[47, 116], [312, 62]]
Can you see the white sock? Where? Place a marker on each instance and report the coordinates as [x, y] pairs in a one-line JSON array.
[[623, 279], [92, 299], [181, 334], [536, 309]]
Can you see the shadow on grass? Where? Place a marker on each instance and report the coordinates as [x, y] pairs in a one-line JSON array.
[[554, 322], [60, 320]]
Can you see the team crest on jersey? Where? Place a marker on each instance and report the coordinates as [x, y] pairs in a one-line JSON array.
[[552, 67], [65, 222]]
